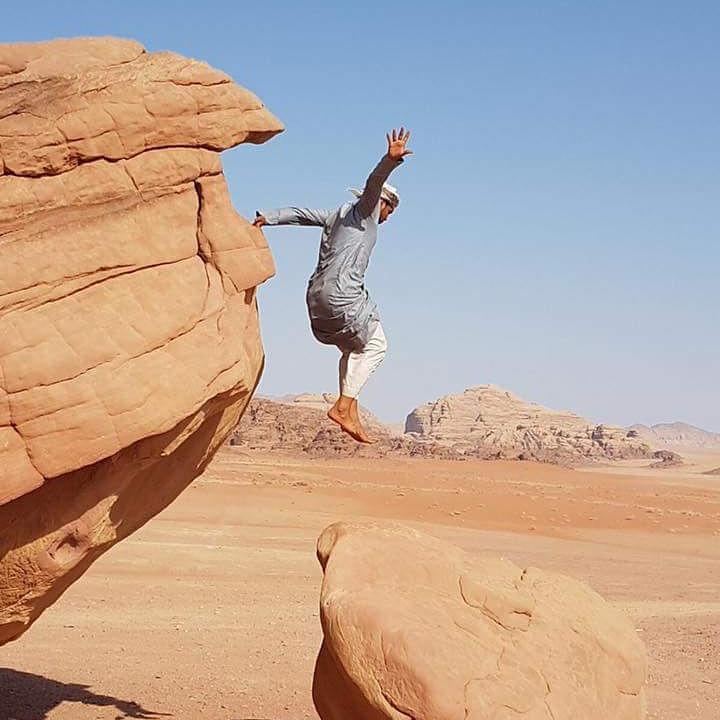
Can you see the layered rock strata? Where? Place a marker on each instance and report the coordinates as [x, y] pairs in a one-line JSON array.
[[129, 341], [487, 421]]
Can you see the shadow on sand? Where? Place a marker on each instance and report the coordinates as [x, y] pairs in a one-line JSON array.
[[24, 696]]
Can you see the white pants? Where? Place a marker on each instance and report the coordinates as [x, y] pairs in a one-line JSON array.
[[357, 367]]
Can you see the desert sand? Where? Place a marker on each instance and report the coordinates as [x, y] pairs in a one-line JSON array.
[[211, 610]]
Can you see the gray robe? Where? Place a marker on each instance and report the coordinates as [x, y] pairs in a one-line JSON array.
[[341, 310]]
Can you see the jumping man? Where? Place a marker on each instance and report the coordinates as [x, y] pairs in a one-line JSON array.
[[341, 310]]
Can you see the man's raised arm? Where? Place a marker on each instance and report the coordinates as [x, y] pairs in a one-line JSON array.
[[373, 187], [291, 216]]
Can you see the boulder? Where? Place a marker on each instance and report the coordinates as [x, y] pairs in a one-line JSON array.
[[415, 628], [129, 342], [666, 459]]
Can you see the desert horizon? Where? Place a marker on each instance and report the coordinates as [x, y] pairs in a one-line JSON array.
[[667, 425]]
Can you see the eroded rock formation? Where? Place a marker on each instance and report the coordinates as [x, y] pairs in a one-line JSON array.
[[487, 421], [129, 342], [666, 459], [303, 427], [413, 627]]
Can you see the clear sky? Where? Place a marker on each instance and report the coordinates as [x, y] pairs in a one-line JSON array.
[[560, 221]]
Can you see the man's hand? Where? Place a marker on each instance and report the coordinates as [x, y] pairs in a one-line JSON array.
[[396, 144], [259, 221]]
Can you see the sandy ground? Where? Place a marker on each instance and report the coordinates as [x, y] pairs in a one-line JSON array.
[[210, 611]]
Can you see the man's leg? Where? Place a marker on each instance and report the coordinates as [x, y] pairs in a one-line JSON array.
[[373, 354], [340, 412], [355, 369], [342, 369]]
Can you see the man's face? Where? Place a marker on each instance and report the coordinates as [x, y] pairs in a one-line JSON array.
[[386, 210]]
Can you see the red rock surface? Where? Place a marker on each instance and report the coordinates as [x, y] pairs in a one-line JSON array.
[[129, 341], [414, 627]]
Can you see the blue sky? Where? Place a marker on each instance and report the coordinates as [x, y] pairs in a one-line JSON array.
[[559, 227]]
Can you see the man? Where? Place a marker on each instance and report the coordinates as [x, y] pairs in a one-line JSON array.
[[340, 308]]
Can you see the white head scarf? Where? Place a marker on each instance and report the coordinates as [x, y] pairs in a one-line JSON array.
[[389, 193]]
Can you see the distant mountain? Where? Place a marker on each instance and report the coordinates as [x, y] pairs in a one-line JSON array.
[[487, 419], [482, 422], [678, 436]]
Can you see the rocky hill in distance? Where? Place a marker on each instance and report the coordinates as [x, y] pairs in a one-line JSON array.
[[484, 422], [678, 436], [303, 427], [492, 419]]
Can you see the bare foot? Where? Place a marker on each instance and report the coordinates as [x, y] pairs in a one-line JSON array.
[[341, 413], [355, 415], [362, 436]]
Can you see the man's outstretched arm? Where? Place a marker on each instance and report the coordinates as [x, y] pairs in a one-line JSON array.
[[396, 153], [291, 216]]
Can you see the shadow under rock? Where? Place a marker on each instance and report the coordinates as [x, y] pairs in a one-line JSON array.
[[24, 696]]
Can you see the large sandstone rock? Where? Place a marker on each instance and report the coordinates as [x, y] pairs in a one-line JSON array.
[[129, 341], [487, 421], [414, 628]]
